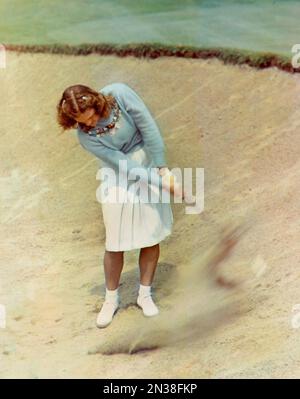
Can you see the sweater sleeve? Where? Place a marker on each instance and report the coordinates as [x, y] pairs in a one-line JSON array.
[[112, 158], [144, 122]]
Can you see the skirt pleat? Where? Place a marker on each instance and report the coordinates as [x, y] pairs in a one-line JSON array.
[[134, 224]]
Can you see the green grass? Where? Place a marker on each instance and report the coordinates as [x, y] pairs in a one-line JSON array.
[[259, 60]]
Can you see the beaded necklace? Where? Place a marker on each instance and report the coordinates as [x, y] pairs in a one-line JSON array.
[[108, 129]]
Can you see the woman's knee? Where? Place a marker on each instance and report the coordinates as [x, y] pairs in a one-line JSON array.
[[114, 254], [152, 246]]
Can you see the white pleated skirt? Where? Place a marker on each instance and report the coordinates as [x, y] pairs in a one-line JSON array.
[[134, 224]]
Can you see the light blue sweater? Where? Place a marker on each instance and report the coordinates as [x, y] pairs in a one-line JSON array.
[[138, 129]]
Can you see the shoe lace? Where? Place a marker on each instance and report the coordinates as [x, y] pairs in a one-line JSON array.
[[146, 296], [110, 302]]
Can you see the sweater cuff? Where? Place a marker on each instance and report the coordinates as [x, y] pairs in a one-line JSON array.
[[159, 159]]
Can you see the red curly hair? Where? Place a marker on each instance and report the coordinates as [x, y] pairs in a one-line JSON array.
[[77, 99]]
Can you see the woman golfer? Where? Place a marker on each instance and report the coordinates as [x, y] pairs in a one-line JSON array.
[[115, 125]]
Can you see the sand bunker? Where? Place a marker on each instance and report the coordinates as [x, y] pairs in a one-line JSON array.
[[227, 279]]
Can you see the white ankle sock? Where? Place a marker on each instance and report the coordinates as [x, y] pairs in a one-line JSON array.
[[144, 290], [112, 295]]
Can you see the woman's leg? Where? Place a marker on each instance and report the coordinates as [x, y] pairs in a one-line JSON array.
[[113, 265], [148, 261]]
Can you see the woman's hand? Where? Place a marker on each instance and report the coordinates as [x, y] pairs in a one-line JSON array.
[[162, 170], [169, 182], [175, 188]]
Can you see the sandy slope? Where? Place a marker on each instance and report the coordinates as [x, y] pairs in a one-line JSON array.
[[242, 126]]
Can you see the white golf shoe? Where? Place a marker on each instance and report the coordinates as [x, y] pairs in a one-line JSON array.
[[107, 312], [148, 306]]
